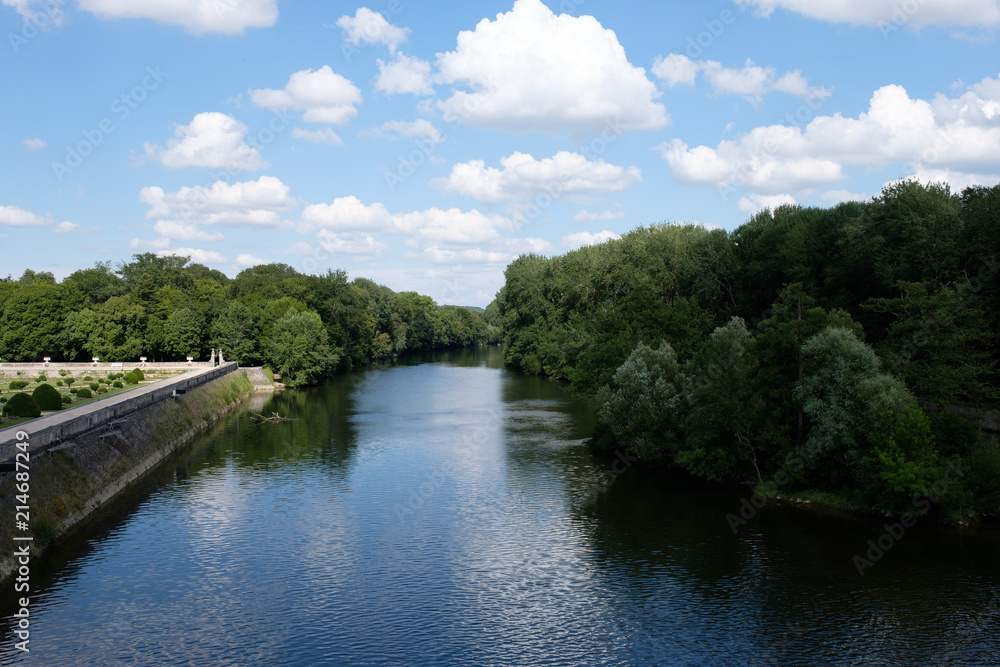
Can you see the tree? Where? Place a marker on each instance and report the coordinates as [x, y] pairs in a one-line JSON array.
[[183, 334], [299, 350], [642, 406], [237, 330]]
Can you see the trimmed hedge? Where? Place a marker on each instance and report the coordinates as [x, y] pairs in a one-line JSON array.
[[139, 375], [83, 392], [94, 386], [47, 397], [21, 405], [131, 378], [18, 384], [117, 384]]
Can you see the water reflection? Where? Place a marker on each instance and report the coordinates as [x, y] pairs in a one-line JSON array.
[[450, 513]]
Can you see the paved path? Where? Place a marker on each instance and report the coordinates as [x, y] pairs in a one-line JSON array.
[[49, 430]]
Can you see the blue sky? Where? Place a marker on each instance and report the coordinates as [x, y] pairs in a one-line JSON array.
[[426, 145]]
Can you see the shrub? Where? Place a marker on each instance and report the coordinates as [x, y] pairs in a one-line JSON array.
[[63, 372], [131, 378], [18, 384], [87, 378], [73, 391], [139, 375], [102, 380], [117, 384], [41, 378], [21, 405], [59, 383], [67, 400], [83, 392], [94, 386], [47, 397], [69, 381], [3, 399], [103, 389]]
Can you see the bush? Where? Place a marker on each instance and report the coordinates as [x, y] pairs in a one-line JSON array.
[[83, 392], [63, 373], [117, 384], [41, 378], [69, 381], [21, 405], [87, 378], [18, 384], [103, 389], [102, 380], [59, 383], [67, 400], [73, 391], [47, 397], [131, 378], [139, 375], [94, 386], [3, 399]]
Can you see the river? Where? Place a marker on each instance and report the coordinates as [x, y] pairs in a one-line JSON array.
[[445, 511]]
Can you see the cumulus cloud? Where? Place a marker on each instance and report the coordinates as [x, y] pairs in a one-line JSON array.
[[357, 243], [370, 27], [589, 216], [400, 129], [212, 140], [322, 136], [754, 202], [532, 70], [883, 12], [246, 260], [404, 74], [958, 138], [229, 17], [580, 239], [197, 255], [13, 216], [751, 81], [34, 144], [323, 96], [244, 204], [522, 176], [347, 214]]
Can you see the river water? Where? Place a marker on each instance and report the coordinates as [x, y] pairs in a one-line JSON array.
[[444, 511]]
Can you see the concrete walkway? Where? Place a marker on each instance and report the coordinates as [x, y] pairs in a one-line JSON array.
[[60, 427]]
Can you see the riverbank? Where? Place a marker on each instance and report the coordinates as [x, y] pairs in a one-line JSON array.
[[72, 479]]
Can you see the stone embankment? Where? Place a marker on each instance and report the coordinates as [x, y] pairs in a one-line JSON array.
[[81, 458]]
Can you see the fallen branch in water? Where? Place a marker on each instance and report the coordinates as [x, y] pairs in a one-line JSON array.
[[275, 417]]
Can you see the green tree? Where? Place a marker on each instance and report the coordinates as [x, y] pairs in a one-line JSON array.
[[299, 349], [183, 334], [643, 405]]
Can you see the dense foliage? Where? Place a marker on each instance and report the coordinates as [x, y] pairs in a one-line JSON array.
[[165, 308], [809, 349]]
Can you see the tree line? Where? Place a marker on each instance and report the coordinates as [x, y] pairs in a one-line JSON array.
[[810, 350], [305, 327]]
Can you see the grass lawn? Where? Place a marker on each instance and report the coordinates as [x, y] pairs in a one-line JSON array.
[[78, 381]]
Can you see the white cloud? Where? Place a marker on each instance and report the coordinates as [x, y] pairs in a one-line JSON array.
[[159, 243], [888, 12], [184, 231], [840, 196], [404, 74], [230, 17], [478, 255], [324, 96], [197, 255], [34, 144], [357, 243], [452, 225], [957, 138], [244, 204], [399, 129], [754, 202], [322, 136], [751, 81], [369, 27], [532, 70], [580, 239], [347, 214], [211, 140], [523, 176], [246, 260], [589, 216], [13, 216]]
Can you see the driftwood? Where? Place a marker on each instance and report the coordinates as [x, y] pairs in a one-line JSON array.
[[275, 417]]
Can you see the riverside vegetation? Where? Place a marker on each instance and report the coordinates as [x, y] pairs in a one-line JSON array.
[[819, 353], [306, 327]]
